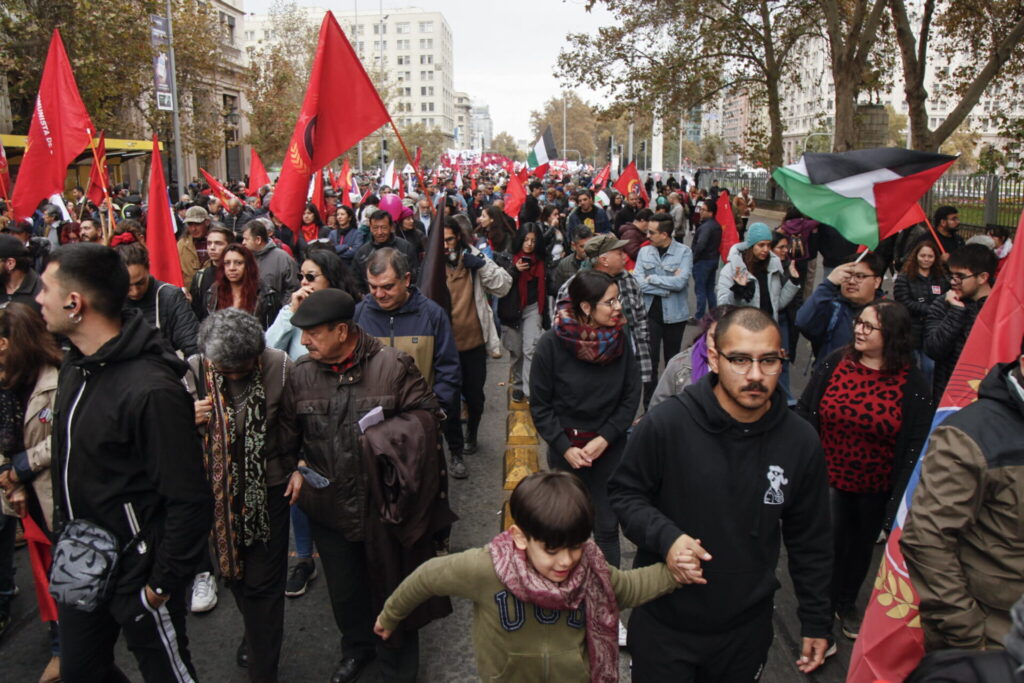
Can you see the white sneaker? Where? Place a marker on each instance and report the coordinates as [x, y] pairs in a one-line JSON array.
[[204, 592], [622, 634]]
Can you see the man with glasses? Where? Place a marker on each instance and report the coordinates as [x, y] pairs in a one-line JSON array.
[[749, 473], [826, 318], [951, 317]]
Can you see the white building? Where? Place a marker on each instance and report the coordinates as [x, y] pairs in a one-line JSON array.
[[481, 127], [463, 120]]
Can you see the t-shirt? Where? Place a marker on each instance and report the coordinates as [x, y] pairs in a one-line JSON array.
[[859, 419]]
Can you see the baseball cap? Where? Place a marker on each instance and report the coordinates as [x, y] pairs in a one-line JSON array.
[[196, 214], [602, 244]]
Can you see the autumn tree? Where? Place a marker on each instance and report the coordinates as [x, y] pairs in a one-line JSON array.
[[504, 143]]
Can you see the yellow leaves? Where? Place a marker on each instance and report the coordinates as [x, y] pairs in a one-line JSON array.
[[897, 595]]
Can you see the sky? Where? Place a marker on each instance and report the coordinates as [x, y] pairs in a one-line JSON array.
[[505, 53]]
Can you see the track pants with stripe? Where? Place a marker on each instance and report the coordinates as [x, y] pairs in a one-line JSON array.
[[155, 636]]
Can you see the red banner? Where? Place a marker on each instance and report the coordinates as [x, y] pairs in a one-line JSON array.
[[257, 175], [164, 263], [730, 235]]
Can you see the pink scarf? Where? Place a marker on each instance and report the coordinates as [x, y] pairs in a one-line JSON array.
[[590, 582]]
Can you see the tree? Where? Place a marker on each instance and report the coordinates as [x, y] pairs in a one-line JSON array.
[[581, 124], [963, 142], [711, 150], [697, 50], [978, 40], [897, 127], [504, 143]]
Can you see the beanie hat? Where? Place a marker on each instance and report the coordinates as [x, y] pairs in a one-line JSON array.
[[757, 232]]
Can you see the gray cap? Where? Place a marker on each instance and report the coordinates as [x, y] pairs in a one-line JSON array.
[[196, 214], [325, 306], [602, 244]]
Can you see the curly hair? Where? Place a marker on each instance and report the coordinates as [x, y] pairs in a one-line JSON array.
[[231, 338]]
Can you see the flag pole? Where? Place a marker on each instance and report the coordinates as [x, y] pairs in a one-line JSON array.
[[108, 229], [419, 174], [935, 235]]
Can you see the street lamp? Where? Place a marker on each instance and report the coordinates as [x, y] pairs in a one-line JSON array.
[[231, 118]]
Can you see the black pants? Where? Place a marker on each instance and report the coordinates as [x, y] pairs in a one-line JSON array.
[[344, 568], [662, 653], [452, 428], [606, 524], [668, 337], [155, 636], [259, 594], [856, 520], [474, 374]]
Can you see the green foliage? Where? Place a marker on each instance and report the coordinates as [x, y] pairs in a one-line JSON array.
[[504, 143]]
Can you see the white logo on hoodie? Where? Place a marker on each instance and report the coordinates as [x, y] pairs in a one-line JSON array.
[[776, 480]]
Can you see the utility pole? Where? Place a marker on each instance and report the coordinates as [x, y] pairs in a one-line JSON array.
[[179, 164], [629, 144], [565, 130], [355, 37]]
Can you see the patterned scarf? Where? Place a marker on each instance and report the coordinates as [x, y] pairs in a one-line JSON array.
[[588, 584], [239, 480], [534, 272], [598, 345]]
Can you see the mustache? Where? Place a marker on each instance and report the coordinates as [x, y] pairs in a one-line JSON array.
[[755, 386]]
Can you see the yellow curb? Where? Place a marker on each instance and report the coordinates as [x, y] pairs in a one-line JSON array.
[[506, 517], [519, 429], [520, 462]]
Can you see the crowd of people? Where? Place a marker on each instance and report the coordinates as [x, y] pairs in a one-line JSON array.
[[301, 387]]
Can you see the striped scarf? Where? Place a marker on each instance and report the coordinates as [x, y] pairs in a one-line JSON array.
[[598, 345]]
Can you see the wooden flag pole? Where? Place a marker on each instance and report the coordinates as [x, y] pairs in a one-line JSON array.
[[415, 166], [108, 229], [934, 235]]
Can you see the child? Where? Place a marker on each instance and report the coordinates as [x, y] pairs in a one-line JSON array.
[[538, 589]]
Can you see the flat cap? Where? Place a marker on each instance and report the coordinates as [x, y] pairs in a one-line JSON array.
[[602, 244], [325, 306], [196, 214]]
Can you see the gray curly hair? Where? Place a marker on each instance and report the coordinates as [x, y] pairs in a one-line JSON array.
[[231, 338]]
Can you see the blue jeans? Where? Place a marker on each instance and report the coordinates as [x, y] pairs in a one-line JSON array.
[[303, 536], [704, 285], [927, 365]]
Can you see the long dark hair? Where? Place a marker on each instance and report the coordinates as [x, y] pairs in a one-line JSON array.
[[339, 276], [897, 336], [250, 281], [29, 346], [520, 237], [317, 220], [910, 268]]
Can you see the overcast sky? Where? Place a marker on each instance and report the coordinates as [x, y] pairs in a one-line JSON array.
[[505, 52]]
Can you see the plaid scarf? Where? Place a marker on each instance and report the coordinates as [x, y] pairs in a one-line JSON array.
[[598, 345], [240, 515], [589, 583]]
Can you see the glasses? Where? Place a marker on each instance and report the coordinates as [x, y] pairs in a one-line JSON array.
[[960, 277], [611, 303], [770, 365], [866, 326], [859, 277], [309, 277]]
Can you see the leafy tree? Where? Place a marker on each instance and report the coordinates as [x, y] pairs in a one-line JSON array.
[[963, 142], [581, 124], [897, 127], [504, 143]]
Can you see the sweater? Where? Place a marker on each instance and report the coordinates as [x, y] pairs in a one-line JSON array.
[[515, 641]]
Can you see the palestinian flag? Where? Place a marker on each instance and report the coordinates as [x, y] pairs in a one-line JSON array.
[[867, 194], [543, 150]]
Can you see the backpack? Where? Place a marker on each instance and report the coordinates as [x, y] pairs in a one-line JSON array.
[[967, 666]]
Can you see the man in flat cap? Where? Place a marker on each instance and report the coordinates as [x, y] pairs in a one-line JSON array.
[[192, 245], [354, 399]]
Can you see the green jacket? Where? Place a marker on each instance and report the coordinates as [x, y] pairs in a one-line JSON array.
[[516, 641]]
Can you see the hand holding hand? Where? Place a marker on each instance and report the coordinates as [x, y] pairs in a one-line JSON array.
[[595, 448], [576, 458], [684, 558], [812, 655]]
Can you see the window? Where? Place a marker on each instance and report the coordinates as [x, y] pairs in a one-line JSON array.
[[380, 45], [403, 60], [357, 29], [426, 27], [426, 75], [426, 106], [406, 92], [227, 24], [403, 27], [426, 43], [427, 91], [266, 34], [404, 75], [380, 29], [403, 44], [426, 59]]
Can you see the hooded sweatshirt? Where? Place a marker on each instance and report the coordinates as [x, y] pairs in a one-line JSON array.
[[739, 487], [127, 456]]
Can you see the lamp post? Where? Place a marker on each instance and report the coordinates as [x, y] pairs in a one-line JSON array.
[[231, 120]]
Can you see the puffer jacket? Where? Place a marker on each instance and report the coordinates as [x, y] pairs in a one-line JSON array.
[[945, 333], [781, 287], [917, 294], [328, 406]]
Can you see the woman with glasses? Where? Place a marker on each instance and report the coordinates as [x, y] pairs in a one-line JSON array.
[[921, 281], [584, 391], [872, 408]]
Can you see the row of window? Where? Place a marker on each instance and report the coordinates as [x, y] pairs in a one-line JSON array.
[[407, 107], [401, 27], [425, 44]]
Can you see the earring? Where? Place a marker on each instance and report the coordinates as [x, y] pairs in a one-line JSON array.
[[76, 318]]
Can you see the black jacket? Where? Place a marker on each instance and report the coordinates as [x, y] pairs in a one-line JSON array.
[[165, 307], [917, 294], [945, 333], [714, 485], [530, 211], [133, 459], [707, 240], [918, 411], [366, 251], [199, 290]]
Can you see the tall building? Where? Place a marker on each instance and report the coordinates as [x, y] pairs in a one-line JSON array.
[[463, 119], [481, 127], [414, 46]]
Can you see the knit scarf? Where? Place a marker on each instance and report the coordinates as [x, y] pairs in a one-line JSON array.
[[534, 272], [239, 480], [588, 584], [598, 345]]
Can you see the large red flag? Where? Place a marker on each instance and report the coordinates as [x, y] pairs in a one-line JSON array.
[[541, 170], [601, 179], [163, 250], [99, 179], [891, 642], [217, 188], [629, 181], [730, 235], [257, 174], [332, 119], [345, 181], [59, 131], [515, 196], [5, 175]]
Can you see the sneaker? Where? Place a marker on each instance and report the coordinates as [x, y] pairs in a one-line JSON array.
[[849, 623], [299, 578], [204, 593], [622, 634], [470, 446], [832, 648], [458, 467]]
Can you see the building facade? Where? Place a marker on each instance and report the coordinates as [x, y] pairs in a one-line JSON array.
[[481, 127]]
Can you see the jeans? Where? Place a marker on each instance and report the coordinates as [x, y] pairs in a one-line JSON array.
[[856, 520], [704, 285], [303, 536], [927, 365], [521, 344]]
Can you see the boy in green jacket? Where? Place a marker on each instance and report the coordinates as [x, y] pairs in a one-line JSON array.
[[540, 590]]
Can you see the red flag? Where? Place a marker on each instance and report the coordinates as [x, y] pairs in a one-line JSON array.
[[601, 179], [629, 181], [5, 175], [40, 559], [318, 195], [345, 180], [59, 131], [99, 179], [728, 222], [891, 642], [219, 191], [163, 249], [523, 175], [257, 174], [515, 196], [332, 118], [541, 170], [472, 183]]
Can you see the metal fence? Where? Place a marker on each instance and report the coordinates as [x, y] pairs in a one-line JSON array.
[[982, 200]]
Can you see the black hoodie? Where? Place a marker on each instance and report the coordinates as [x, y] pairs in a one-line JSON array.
[[126, 455], [691, 468]]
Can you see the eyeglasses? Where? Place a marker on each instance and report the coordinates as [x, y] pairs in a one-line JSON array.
[[309, 277], [859, 277], [770, 365], [611, 303], [960, 277], [866, 326]]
